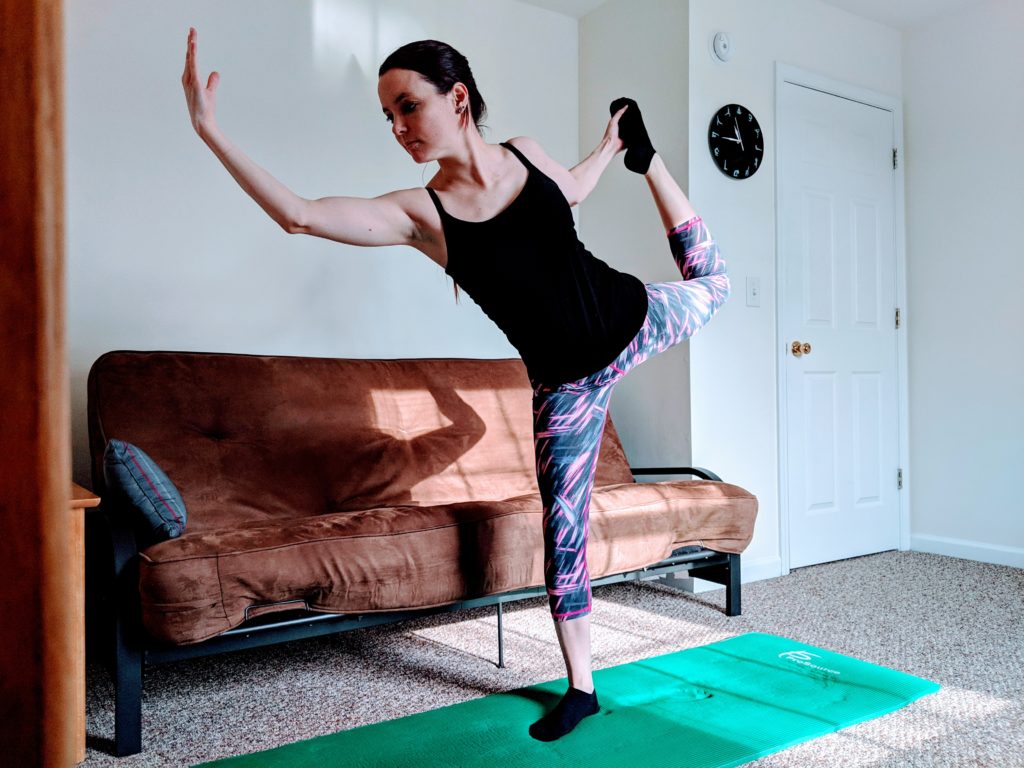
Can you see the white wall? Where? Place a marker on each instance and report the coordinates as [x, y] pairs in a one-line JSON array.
[[964, 78], [733, 360], [165, 251], [639, 50]]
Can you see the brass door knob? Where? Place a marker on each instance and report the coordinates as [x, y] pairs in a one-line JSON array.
[[800, 349]]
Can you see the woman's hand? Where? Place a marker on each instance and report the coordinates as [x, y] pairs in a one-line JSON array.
[[611, 133], [201, 101]]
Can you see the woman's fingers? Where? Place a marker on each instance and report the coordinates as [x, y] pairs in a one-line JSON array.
[[200, 100], [192, 55], [191, 65], [612, 131], [189, 73]]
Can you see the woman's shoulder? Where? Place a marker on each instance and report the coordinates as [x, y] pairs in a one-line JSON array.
[[531, 148], [551, 168]]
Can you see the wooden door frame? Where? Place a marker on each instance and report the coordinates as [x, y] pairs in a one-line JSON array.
[[37, 648], [789, 73]]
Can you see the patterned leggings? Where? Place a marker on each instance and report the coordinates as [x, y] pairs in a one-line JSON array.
[[569, 419]]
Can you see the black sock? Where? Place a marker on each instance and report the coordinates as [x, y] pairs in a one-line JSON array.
[[566, 715], [634, 136]]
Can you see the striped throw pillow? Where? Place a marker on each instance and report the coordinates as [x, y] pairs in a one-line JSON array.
[[133, 476]]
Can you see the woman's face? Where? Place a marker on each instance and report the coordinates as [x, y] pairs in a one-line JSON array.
[[422, 120]]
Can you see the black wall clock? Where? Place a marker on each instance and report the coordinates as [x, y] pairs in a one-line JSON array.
[[735, 141]]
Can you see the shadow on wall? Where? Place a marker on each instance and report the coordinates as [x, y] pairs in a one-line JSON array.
[[356, 29]]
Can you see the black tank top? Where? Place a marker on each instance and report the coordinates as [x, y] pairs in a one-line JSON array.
[[568, 313]]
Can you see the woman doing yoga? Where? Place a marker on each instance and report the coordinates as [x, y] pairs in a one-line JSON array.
[[497, 218]]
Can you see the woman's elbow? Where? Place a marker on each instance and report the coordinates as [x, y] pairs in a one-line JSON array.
[[577, 192], [294, 221], [293, 227]]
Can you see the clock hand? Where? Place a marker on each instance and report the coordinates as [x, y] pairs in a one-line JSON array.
[[739, 138]]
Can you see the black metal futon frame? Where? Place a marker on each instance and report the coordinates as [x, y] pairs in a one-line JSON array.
[[134, 650]]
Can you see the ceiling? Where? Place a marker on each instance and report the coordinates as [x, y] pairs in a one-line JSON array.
[[901, 14], [575, 8], [905, 14]]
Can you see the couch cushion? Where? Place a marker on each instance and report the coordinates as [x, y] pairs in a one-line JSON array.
[[250, 438], [388, 558]]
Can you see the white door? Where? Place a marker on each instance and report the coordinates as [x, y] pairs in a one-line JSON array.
[[837, 283]]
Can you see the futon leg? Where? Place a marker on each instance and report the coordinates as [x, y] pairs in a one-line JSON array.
[[732, 588], [728, 575], [501, 642], [128, 653], [127, 693]]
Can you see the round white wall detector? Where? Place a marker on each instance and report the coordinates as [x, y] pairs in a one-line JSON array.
[[721, 46]]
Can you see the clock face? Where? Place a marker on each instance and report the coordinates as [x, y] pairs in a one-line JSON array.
[[735, 141]]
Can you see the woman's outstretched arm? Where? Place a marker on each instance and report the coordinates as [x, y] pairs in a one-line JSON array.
[[588, 171], [280, 203], [353, 220]]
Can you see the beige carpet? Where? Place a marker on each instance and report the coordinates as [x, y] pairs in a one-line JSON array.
[[957, 622]]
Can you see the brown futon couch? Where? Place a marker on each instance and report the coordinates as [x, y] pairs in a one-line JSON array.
[[327, 494]]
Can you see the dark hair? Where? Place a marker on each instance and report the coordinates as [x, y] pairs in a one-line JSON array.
[[442, 66]]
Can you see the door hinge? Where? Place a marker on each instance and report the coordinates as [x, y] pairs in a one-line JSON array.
[[894, 157], [899, 479], [897, 317]]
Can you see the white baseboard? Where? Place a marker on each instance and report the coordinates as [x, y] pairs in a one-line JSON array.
[[969, 550], [750, 570]]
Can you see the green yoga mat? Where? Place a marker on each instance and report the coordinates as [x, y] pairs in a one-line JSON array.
[[721, 704]]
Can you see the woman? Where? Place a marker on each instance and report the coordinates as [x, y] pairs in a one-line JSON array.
[[497, 218]]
